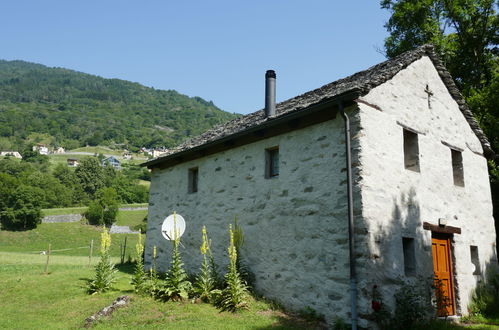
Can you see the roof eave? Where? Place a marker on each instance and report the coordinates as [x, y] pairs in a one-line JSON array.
[[270, 122]]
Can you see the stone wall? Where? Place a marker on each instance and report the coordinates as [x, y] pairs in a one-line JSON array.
[[295, 225], [396, 201], [62, 218]]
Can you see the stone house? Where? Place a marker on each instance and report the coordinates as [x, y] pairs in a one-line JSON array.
[[419, 181]]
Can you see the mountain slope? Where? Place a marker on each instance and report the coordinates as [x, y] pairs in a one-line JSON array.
[[73, 109]]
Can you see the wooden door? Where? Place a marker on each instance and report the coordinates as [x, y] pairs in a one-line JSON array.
[[442, 267]]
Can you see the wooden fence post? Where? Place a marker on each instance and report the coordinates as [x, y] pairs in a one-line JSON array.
[[48, 257], [124, 249], [90, 254]]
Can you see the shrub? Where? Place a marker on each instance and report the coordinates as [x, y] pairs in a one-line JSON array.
[[485, 300], [104, 271], [103, 210], [413, 306], [235, 295]]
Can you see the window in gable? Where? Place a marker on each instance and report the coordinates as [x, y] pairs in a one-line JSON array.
[[271, 162], [411, 150], [409, 256], [193, 178], [457, 167], [475, 260]]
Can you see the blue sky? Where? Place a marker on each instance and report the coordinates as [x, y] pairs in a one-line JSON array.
[[217, 49]]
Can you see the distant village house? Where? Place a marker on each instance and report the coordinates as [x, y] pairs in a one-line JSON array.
[[72, 162], [111, 161], [14, 154]]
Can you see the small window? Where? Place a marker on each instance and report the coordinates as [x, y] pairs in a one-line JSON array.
[[475, 260], [457, 167], [411, 151], [409, 256], [272, 162], [193, 180]]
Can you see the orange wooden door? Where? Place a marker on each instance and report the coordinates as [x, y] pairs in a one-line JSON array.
[[442, 267]]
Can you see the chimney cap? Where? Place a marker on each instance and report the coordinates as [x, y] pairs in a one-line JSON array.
[[270, 74]]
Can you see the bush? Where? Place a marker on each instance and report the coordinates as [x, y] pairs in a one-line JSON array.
[[103, 210], [485, 301]]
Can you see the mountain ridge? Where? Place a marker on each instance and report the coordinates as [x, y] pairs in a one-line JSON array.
[[70, 108]]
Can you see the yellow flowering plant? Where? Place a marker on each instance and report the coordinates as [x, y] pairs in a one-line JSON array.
[[139, 277], [205, 280], [104, 271], [235, 294]]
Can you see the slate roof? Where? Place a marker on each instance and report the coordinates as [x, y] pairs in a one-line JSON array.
[[362, 81]]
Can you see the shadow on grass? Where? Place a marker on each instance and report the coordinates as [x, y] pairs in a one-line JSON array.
[[127, 268]]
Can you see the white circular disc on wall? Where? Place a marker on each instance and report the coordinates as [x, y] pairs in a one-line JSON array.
[[168, 227]]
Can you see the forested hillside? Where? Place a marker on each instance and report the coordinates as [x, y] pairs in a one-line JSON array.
[[72, 109]]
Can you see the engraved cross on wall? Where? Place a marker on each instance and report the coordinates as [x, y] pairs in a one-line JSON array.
[[430, 94]]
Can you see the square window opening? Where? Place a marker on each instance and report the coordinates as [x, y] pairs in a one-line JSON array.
[[411, 151], [409, 256], [271, 162], [475, 260], [193, 180], [457, 167]]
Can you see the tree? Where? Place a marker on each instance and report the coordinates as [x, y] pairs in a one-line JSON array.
[[90, 175], [24, 211], [103, 210]]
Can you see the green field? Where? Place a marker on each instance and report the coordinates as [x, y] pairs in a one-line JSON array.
[[66, 239], [31, 299], [65, 210], [131, 218]]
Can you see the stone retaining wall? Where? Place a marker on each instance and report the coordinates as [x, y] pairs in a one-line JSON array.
[[62, 218]]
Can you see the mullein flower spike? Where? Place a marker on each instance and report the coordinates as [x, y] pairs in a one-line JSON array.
[[105, 240]]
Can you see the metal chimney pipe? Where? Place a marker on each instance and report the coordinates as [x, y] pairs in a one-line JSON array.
[[270, 93]]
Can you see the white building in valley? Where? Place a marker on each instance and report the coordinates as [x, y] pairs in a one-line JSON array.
[[421, 194]]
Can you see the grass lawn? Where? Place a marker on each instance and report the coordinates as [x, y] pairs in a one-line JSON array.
[[80, 210], [131, 218], [98, 150], [65, 238], [33, 300], [65, 210]]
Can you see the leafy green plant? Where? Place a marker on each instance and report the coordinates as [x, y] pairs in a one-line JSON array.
[[243, 270], [152, 284], [412, 305], [104, 271], [139, 277], [205, 281], [485, 300], [176, 285], [310, 314], [235, 295]]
